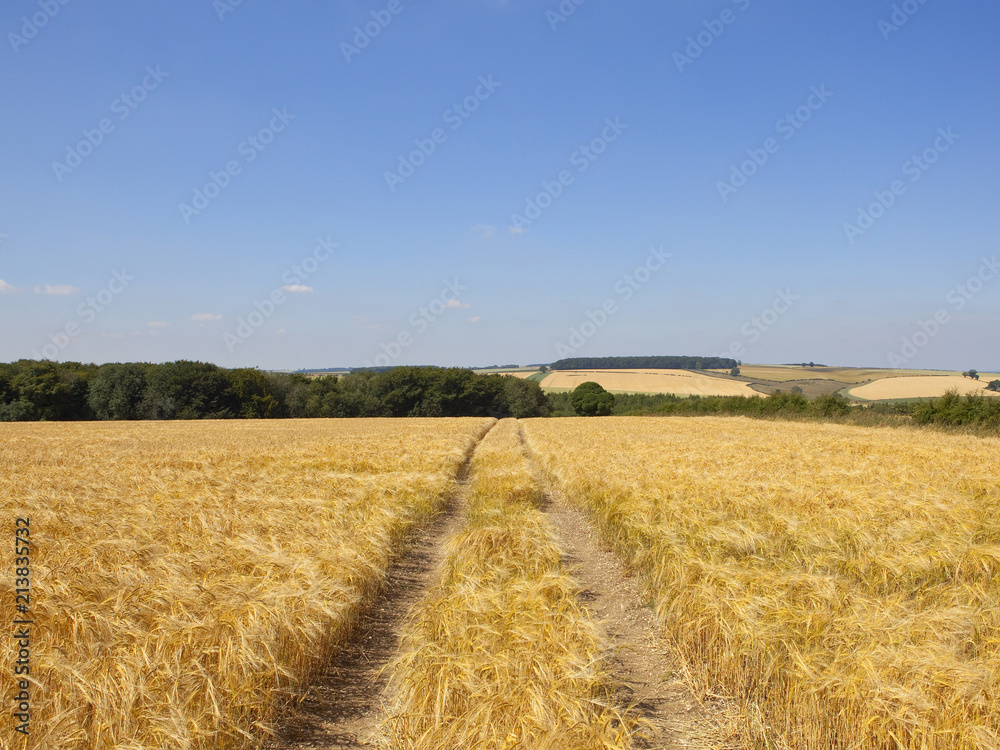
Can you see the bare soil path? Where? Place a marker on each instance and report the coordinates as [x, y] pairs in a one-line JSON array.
[[344, 707], [647, 674]]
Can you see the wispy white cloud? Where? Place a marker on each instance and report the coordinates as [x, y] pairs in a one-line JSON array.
[[157, 324], [454, 304], [56, 289], [486, 231], [6, 288], [298, 289], [205, 317], [476, 319], [515, 230]]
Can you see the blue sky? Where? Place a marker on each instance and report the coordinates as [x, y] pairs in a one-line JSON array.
[[503, 181]]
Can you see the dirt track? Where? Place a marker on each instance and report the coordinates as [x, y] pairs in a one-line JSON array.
[[345, 707]]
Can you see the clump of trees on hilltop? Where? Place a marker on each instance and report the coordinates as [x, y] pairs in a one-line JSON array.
[[32, 390]]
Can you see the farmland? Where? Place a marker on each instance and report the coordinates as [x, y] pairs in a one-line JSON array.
[[830, 585], [502, 639], [919, 387], [681, 382], [860, 384], [841, 583], [846, 375], [189, 578]]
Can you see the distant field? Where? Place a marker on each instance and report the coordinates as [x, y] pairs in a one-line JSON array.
[[523, 374], [919, 387], [680, 382], [846, 375], [517, 372]]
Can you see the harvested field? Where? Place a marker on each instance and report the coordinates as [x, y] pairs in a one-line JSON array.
[[845, 375], [920, 387], [680, 382], [841, 583]]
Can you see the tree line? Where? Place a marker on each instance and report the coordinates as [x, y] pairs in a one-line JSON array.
[[43, 390]]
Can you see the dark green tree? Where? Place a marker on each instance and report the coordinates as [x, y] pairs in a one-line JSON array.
[[189, 390], [253, 390], [54, 391], [591, 400], [524, 398], [117, 391]]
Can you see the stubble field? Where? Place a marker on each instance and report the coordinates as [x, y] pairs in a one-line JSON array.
[[680, 382], [920, 387]]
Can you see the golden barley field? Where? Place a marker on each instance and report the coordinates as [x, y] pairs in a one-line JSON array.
[[501, 654], [189, 577], [842, 583]]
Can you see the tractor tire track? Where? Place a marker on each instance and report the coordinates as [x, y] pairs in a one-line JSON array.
[[344, 707], [646, 675]]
